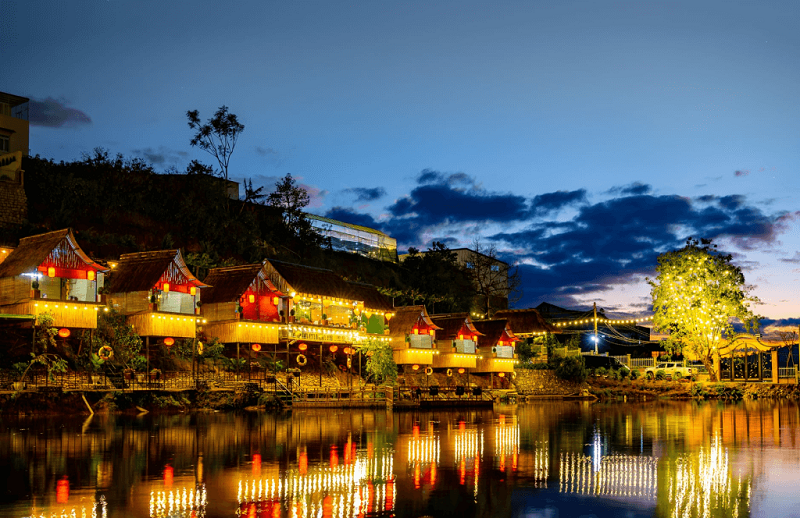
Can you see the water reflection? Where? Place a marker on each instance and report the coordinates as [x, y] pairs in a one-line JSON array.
[[659, 459]]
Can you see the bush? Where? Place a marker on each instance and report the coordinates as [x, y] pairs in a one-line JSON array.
[[614, 374], [572, 368], [698, 392], [677, 376], [635, 375], [660, 374], [601, 371]]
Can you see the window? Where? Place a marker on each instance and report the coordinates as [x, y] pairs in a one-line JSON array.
[[495, 267], [4, 144], [470, 265]]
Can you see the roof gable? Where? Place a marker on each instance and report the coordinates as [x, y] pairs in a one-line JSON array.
[[229, 283], [144, 270], [57, 248], [526, 321]]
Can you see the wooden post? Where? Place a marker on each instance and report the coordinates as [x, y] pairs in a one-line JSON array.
[[147, 345], [774, 357], [237, 361], [320, 365], [760, 366]]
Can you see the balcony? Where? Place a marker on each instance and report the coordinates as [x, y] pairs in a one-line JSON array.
[[82, 315], [244, 331], [454, 360], [157, 323], [503, 351], [495, 364], [464, 346], [420, 341]]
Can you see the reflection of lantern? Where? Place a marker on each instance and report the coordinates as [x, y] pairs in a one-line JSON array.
[[415, 367], [256, 347], [334, 348], [251, 298], [165, 286], [51, 272], [302, 347], [334, 457], [63, 332], [168, 475], [257, 465], [62, 490], [90, 275], [169, 341], [302, 463], [275, 300], [461, 371], [193, 291]]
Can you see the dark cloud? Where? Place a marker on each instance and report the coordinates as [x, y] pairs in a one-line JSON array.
[[553, 201], [365, 194], [162, 155], [265, 151], [792, 260], [635, 188], [54, 113]]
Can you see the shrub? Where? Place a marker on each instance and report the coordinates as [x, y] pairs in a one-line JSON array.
[[660, 374], [635, 374], [677, 376], [601, 371], [572, 368], [614, 374], [698, 392]]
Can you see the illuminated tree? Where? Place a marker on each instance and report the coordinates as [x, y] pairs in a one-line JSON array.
[[380, 366], [697, 296]]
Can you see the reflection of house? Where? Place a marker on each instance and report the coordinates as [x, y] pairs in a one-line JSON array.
[[458, 342], [413, 336], [347, 237], [497, 346], [157, 292], [67, 280], [244, 288]]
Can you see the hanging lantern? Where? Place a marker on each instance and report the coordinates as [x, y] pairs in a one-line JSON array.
[[165, 286], [460, 337], [251, 298], [416, 331], [334, 348], [51, 272], [90, 275], [502, 374], [193, 291], [302, 347], [63, 332], [275, 301], [415, 367], [389, 316], [256, 347], [168, 341], [461, 371], [431, 332]]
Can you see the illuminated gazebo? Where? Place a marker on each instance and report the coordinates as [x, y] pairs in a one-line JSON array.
[[413, 336]]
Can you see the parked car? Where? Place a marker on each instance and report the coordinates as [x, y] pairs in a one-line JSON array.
[[671, 370], [595, 362]]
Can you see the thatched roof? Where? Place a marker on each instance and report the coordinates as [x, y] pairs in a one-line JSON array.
[[229, 283], [451, 325], [493, 330], [142, 271], [371, 297], [406, 317], [526, 321], [35, 250], [289, 277]]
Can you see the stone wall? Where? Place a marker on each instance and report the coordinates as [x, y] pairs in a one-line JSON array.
[[544, 383], [13, 203]]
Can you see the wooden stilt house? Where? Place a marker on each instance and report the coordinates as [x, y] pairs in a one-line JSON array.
[[413, 337], [157, 292], [526, 323], [242, 306], [49, 273], [458, 342], [496, 351]]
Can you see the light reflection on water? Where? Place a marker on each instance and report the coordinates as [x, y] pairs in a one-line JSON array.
[[544, 459]]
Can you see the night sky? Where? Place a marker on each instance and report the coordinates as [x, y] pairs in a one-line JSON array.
[[580, 138]]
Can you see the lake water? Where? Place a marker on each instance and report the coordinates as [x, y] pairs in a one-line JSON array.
[[550, 459]]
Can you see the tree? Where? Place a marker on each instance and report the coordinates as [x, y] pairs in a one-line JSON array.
[[217, 136], [291, 199], [697, 295], [436, 278], [496, 284], [380, 366]]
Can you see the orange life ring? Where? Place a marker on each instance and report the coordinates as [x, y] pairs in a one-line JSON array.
[[428, 370], [301, 359], [105, 353]]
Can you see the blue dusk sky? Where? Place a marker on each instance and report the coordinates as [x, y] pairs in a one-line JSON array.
[[581, 138]]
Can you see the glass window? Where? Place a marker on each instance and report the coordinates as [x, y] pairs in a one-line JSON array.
[[4, 144]]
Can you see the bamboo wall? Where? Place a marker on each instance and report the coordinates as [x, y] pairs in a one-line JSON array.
[[14, 289], [219, 311], [127, 303], [455, 360], [240, 331], [153, 323], [413, 356], [495, 365], [81, 315]]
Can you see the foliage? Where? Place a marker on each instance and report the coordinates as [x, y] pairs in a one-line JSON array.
[[696, 295], [114, 331], [51, 362], [697, 391], [291, 199], [380, 366], [436, 279], [494, 284], [218, 136], [572, 368], [44, 333], [601, 371], [635, 374], [660, 374]]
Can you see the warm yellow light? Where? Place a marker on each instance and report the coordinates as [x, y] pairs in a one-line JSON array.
[[251, 298], [51, 272], [90, 275], [192, 291], [165, 286]]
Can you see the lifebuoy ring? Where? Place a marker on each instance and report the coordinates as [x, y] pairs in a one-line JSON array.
[[428, 370], [105, 353], [513, 375], [301, 359], [449, 372]]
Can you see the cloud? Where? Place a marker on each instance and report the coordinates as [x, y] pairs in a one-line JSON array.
[[162, 155], [265, 151], [365, 194], [634, 188], [553, 201], [54, 113], [792, 260], [354, 218], [271, 155]]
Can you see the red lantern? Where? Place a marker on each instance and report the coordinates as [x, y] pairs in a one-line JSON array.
[[302, 347], [502, 374], [416, 331], [431, 332], [415, 367], [165, 286], [193, 291], [90, 275], [251, 298], [461, 371], [256, 347], [51, 272], [63, 332], [169, 341], [334, 348]]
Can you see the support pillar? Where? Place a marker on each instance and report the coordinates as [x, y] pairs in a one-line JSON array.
[[760, 366], [237, 361], [774, 357], [717, 365]]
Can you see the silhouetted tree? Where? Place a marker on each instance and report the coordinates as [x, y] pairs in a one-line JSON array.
[[217, 136]]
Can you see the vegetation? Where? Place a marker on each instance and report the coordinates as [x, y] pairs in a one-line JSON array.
[[492, 283], [217, 136], [380, 366], [696, 295], [571, 368]]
